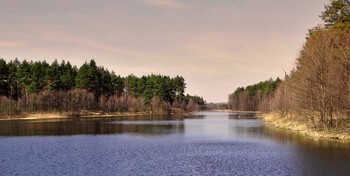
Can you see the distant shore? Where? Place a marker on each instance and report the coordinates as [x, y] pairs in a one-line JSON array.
[[43, 116], [273, 119], [228, 110]]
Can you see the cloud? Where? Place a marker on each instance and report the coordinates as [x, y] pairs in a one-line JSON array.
[[165, 3]]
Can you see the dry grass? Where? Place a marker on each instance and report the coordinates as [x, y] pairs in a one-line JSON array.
[[284, 123]]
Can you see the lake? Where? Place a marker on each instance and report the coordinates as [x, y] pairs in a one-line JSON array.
[[206, 143]]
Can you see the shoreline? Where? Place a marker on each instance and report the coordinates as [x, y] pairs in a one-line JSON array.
[[53, 115], [270, 119], [45, 116], [227, 110], [274, 120]]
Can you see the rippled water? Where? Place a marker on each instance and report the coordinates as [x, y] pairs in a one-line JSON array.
[[209, 143]]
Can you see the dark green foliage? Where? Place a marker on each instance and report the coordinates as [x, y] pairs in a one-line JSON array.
[[106, 85], [179, 85], [165, 88], [24, 76], [266, 87], [131, 85], [197, 99], [238, 91], [53, 76], [253, 97], [67, 76], [39, 86], [4, 78], [14, 91], [337, 12], [99, 81], [38, 73], [118, 84], [89, 78]]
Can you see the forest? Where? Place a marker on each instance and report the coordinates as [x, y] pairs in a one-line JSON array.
[[256, 97], [317, 91], [40, 87]]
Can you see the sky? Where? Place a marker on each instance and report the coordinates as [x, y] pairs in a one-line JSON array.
[[216, 45]]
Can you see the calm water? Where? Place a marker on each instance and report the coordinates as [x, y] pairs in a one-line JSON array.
[[209, 143]]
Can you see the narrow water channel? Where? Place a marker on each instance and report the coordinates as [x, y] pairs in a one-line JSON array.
[[207, 143]]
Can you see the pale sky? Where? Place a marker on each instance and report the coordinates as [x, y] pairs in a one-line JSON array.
[[216, 45]]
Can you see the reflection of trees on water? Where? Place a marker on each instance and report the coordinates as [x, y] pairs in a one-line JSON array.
[[286, 136], [248, 131], [317, 156], [244, 115], [92, 126]]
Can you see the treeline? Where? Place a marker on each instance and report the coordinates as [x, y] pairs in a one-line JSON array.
[[317, 90], [216, 106], [256, 97], [29, 86]]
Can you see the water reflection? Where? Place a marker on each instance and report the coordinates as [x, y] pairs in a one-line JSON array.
[[147, 125], [232, 142], [243, 115], [285, 136], [224, 125], [220, 125]]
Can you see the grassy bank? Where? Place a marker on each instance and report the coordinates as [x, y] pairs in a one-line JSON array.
[[274, 119]]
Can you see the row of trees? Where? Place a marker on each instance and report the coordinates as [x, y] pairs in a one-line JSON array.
[[60, 87], [256, 97], [317, 91]]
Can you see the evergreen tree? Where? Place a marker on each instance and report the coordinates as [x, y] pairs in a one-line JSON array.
[[14, 92], [161, 91], [4, 78], [118, 84], [38, 74], [337, 12], [179, 86], [68, 76], [131, 87], [53, 76], [24, 76], [39, 86], [149, 91], [106, 85], [142, 85], [254, 97], [89, 78]]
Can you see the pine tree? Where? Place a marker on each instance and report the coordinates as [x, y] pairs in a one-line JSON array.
[[68, 76], [89, 78], [14, 91], [53, 76], [4, 78], [24, 76], [337, 12], [38, 75], [118, 84]]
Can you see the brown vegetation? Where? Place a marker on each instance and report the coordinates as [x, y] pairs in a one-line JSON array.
[[317, 91], [255, 97]]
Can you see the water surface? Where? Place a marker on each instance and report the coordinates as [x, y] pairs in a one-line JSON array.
[[209, 143]]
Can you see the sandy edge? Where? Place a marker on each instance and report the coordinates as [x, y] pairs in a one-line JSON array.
[[273, 119]]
